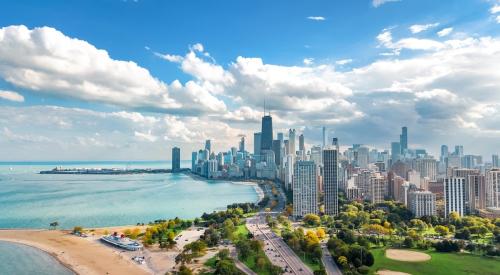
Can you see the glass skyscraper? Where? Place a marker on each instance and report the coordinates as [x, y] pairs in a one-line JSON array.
[[266, 142]]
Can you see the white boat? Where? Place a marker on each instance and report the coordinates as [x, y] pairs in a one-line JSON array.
[[122, 242]]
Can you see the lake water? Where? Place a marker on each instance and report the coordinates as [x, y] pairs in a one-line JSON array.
[[32, 200], [22, 259]]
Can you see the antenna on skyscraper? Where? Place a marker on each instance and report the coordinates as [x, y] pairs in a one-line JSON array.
[[264, 106]]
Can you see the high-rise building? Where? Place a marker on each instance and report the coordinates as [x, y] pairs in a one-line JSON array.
[[377, 188], [277, 151], [459, 150], [465, 173], [256, 145], [403, 140], [291, 142], [494, 161], [422, 203], [316, 155], [208, 145], [281, 137], [444, 152], [301, 143], [176, 159], [266, 142], [477, 192], [330, 181], [454, 196], [242, 144], [194, 161], [395, 151], [493, 188], [363, 156], [289, 171], [427, 167], [305, 189]]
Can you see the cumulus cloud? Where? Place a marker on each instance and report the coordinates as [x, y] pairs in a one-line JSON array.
[[378, 3], [11, 96], [308, 61], [316, 18], [420, 28], [495, 9], [444, 32], [385, 40], [343, 61]]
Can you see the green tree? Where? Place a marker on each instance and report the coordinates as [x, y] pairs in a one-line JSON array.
[[312, 220], [442, 230]]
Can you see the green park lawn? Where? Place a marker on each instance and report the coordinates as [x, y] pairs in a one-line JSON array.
[[241, 230], [441, 263]]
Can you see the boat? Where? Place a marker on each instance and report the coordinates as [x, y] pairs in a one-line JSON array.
[[122, 242]]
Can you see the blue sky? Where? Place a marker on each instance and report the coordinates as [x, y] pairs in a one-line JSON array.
[[202, 68]]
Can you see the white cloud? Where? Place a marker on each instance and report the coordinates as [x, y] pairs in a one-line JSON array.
[[386, 40], [495, 9], [444, 32], [498, 19], [343, 61], [378, 3], [146, 136], [308, 61], [316, 18], [420, 28], [12, 96]]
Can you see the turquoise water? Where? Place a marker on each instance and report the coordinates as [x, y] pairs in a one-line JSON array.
[[31, 200], [22, 259]]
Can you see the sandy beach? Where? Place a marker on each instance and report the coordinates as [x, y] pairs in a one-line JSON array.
[[91, 256], [82, 255]]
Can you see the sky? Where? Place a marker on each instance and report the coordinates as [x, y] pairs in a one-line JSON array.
[[128, 80]]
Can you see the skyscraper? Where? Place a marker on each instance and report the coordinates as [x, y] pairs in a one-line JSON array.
[[459, 150], [277, 151], [291, 142], [256, 143], [403, 140], [176, 159], [330, 181], [194, 161], [208, 145], [266, 142], [301, 143], [242, 144], [454, 196], [305, 189], [494, 161], [395, 151]]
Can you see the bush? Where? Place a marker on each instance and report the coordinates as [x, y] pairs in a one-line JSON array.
[[363, 269]]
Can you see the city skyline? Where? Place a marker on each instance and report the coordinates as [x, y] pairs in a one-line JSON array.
[[138, 79]]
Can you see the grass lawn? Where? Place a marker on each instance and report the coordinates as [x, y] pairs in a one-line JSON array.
[[241, 230], [250, 263], [307, 260], [440, 264]]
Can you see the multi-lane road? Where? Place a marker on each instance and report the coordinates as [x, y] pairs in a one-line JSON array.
[[275, 248], [331, 267]]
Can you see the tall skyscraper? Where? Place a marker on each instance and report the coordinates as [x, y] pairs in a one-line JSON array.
[[459, 150], [291, 142], [444, 152], [330, 181], [305, 189], [281, 137], [277, 151], [176, 159], [208, 145], [362, 159], [454, 196], [377, 188], [256, 143], [266, 142], [395, 151], [194, 161], [301, 143], [242, 144], [494, 161], [477, 192], [403, 140]]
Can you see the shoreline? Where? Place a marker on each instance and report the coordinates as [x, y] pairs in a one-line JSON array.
[[51, 254], [80, 255]]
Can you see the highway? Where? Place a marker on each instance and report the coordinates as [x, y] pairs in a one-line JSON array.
[[331, 267], [275, 248]]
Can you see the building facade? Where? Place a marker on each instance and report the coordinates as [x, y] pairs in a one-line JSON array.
[[422, 203], [305, 189], [330, 181]]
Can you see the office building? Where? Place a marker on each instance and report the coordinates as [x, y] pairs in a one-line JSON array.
[[494, 161], [176, 159], [454, 196], [266, 142], [427, 167], [242, 144], [277, 145], [362, 159], [208, 145], [403, 140], [422, 203], [305, 189], [291, 142], [256, 145], [194, 161], [395, 151], [301, 143], [477, 192], [377, 188], [325, 137], [330, 181]]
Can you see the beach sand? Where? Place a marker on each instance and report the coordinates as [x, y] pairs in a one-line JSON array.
[[82, 255]]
